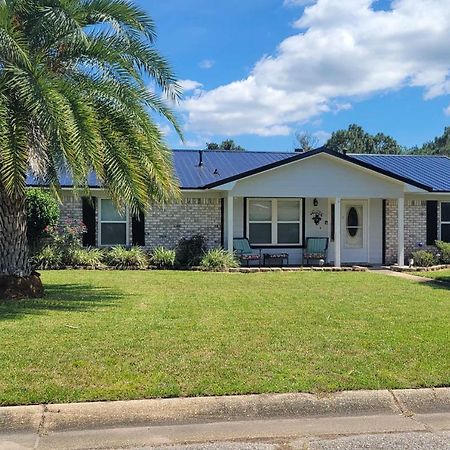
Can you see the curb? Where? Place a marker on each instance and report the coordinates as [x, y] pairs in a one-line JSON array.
[[78, 416]]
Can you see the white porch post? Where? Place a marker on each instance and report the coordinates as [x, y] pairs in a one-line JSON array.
[[230, 231], [337, 232], [401, 231]]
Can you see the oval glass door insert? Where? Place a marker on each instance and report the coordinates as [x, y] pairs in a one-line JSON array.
[[352, 221], [354, 227]]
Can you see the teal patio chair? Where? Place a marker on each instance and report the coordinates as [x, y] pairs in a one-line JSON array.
[[316, 248], [245, 252]]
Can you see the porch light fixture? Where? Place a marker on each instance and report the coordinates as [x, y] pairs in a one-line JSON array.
[[315, 202]]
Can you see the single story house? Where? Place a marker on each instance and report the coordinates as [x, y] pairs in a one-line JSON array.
[[374, 209]]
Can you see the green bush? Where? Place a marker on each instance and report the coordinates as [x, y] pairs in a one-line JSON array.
[[49, 257], [163, 257], [218, 259], [422, 258], [190, 251], [87, 257], [67, 238], [444, 252], [122, 258], [42, 214]]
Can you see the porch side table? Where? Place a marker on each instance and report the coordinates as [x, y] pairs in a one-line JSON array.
[[277, 256]]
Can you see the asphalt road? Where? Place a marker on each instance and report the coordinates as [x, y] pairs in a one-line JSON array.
[[402, 441], [396, 441]]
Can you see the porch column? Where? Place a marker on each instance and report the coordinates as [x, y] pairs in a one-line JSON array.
[[230, 219], [401, 231], [337, 232]]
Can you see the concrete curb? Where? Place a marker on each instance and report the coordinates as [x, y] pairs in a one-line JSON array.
[[78, 416]]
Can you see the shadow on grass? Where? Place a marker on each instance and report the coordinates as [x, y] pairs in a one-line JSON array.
[[61, 297], [439, 283], [443, 279]]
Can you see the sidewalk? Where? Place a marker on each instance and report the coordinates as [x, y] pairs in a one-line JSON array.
[[256, 420]]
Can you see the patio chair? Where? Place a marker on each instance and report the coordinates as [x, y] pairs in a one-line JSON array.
[[316, 248], [245, 252]]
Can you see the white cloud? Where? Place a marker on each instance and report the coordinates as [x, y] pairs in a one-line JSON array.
[[195, 142], [165, 129], [344, 50], [189, 85], [322, 136], [206, 64]]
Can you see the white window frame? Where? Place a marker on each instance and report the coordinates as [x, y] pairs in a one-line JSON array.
[[442, 222], [126, 221], [274, 222]]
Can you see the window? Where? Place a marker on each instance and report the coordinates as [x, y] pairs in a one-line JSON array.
[[113, 224], [274, 221], [445, 221]]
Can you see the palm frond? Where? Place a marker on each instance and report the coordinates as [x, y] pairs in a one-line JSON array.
[[74, 98]]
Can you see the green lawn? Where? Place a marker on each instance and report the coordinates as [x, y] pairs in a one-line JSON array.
[[126, 335], [441, 275]]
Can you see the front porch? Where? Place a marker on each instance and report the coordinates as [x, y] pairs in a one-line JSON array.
[[282, 225]]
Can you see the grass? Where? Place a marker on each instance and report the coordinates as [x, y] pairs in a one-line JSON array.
[[440, 275], [127, 335]]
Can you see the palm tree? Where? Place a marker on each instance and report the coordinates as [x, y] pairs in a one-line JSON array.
[[74, 97]]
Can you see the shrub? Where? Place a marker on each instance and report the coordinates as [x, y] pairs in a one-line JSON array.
[[189, 252], [218, 259], [444, 251], [163, 257], [42, 213], [67, 238], [423, 258], [87, 257], [123, 258], [49, 257]]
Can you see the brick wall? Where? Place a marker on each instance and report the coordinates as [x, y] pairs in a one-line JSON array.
[[166, 225], [71, 209], [415, 228]]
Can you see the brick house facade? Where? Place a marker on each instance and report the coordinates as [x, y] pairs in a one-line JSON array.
[[371, 209], [164, 225], [415, 228]]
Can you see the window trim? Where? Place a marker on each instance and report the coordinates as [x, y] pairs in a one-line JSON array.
[[274, 223], [442, 222], [126, 221]]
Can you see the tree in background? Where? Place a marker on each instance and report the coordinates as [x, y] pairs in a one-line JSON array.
[[305, 141], [228, 144], [438, 146], [356, 140], [74, 98], [42, 213]]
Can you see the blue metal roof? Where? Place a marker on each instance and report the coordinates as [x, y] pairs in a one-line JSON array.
[[431, 173], [65, 180], [219, 165]]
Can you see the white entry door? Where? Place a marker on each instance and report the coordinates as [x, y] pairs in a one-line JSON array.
[[354, 239]]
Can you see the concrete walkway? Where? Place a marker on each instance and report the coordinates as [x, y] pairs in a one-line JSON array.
[[355, 419], [404, 275]]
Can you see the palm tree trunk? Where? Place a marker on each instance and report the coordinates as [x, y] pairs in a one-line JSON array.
[[16, 277]]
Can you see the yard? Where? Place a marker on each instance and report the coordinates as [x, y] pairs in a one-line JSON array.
[[127, 335], [440, 275]]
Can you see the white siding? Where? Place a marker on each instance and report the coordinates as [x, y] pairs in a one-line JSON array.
[[318, 176]]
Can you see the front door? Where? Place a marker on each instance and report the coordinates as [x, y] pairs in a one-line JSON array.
[[354, 231]]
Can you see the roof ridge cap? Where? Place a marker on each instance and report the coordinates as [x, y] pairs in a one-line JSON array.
[[385, 154]]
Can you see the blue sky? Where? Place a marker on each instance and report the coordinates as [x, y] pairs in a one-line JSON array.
[[258, 70]]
